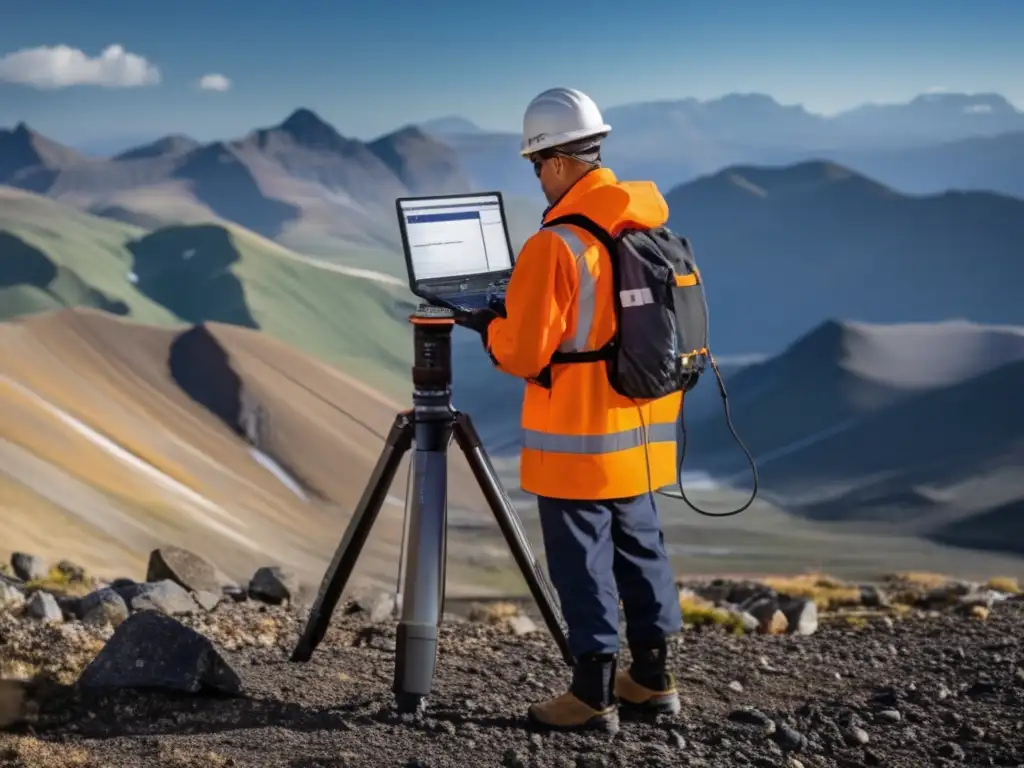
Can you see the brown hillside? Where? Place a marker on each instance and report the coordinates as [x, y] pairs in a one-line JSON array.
[[104, 454]]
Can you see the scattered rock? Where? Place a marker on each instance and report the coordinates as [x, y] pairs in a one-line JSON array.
[[889, 716], [166, 597], [151, 650], [377, 604], [42, 605], [521, 624], [104, 606], [856, 737], [10, 596], [755, 717], [790, 739], [185, 568], [778, 625], [208, 600], [802, 615], [274, 585], [28, 567]]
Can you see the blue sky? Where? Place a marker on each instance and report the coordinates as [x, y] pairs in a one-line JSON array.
[[370, 67]]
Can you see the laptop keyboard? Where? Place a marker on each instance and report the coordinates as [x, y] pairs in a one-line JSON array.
[[470, 301]]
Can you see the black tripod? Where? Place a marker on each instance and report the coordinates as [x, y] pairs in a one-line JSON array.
[[430, 424]]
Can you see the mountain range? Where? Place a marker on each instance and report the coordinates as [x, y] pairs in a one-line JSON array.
[[886, 324], [299, 183], [935, 142]]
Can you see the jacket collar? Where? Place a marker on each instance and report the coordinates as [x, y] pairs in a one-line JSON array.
[[592, 179]]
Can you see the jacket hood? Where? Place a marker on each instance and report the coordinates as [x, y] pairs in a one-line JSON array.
[[611, 203]]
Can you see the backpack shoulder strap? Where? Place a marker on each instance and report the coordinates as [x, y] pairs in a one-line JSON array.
[[588, 225], [603, 237]]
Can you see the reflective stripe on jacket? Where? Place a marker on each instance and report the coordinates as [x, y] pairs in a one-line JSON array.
[[581, 439]]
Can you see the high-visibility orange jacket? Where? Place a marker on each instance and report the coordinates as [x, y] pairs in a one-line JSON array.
[[581, 439]]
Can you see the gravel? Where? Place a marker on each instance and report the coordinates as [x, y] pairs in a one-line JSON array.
[[916, 687], [952, 694]]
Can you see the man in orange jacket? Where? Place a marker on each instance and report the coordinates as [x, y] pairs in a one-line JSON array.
[[590, 455]]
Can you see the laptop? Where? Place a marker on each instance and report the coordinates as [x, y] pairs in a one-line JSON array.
[[457, 249]]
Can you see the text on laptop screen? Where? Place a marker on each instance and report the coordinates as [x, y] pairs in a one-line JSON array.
[[456, 236]]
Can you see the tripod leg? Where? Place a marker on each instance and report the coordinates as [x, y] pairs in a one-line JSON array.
[[508, 521], [398, 441], [416, 647]]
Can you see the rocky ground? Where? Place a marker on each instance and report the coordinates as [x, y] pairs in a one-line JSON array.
[[182, 670]]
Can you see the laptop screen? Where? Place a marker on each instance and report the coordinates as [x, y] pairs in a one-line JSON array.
[[449, 236]]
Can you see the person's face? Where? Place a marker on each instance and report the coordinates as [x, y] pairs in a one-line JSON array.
[[550, 169]]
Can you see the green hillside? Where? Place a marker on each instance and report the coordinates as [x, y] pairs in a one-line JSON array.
[[52, 257]]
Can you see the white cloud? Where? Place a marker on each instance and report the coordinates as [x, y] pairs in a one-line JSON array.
[[978, 109], [61, 66], [214, 82], [937, 89]]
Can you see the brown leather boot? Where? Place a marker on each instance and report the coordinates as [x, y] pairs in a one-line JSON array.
[[647, 688], [589, 704]]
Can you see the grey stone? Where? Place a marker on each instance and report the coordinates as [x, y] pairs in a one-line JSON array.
[[28, 567], [150, 650], [42, 605], [521, 625], [856, 737], [208, 600], [377, 603], [802, 615], [104, 606], [274, 584], [10, 596], [755, 717], [185, 568], [762, 608], [167, 597]]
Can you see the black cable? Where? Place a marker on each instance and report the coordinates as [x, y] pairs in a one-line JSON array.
[[736, 437], [682, 425]]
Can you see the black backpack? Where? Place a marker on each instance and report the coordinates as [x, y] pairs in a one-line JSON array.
[[661, 340], [660, 344]]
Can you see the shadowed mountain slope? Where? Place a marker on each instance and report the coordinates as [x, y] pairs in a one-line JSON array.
[[116, 437], [783, 249], [201, 273], [913, 428]]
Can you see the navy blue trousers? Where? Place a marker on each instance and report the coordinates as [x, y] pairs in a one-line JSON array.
[[601, 551]]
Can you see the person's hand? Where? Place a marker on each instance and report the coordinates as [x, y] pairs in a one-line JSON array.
[[477, 320]]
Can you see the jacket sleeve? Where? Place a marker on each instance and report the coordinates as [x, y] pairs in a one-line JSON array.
[[537, 305]]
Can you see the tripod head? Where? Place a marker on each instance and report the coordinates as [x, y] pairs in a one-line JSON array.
[[432, 361]]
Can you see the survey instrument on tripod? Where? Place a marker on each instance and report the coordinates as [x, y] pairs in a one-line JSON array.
[[427, 430]]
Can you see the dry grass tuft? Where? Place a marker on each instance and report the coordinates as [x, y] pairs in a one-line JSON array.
[[827, 592], [493, 613], [1006, 584], [698, 612], [920, 579]]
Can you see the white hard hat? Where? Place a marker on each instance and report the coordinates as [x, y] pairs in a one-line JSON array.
[[560, 116]]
